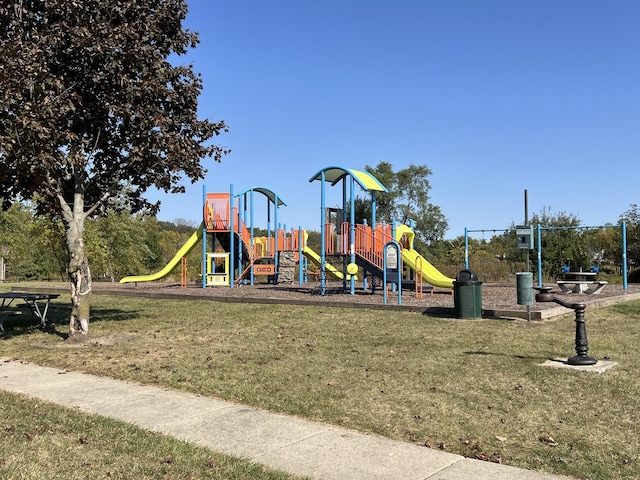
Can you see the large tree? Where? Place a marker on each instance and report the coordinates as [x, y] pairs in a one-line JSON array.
[[92, 108], [408, 200]]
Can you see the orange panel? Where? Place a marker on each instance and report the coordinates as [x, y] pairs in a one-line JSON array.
[[264, 269], [216, 211]]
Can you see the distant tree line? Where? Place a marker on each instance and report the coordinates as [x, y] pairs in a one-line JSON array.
[[121, 244], [118, 244]]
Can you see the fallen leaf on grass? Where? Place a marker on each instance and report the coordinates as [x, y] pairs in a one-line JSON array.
[[548, 440], [501, 439]]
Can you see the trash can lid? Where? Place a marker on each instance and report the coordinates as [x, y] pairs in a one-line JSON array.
[[466, 275], [465, 283]]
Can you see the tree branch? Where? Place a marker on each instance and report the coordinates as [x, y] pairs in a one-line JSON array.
[[100, 202], [57, 192]]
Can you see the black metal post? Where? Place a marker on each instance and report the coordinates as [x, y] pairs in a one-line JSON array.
[[582, 344]]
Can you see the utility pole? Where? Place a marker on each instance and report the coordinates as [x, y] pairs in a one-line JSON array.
[[526, 224], [526, 221]]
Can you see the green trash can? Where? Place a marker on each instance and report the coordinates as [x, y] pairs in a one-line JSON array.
[[467, 295], [524, 288]]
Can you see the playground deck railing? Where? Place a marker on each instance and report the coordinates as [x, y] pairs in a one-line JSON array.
[[288, 242], [283, 241], [245, 235], [330, 244], [369, 243]]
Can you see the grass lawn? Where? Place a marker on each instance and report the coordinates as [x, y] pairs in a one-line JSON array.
[[44, 441], [470, 387]]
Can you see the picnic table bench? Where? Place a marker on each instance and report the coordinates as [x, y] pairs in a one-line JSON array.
[[31, 300], [581, 282]]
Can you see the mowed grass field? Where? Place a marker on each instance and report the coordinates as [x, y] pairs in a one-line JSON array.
[[476, 387]]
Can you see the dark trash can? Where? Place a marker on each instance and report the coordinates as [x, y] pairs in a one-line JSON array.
[[467, 295], [524, 286]]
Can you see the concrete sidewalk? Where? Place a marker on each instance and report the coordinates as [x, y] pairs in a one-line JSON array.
[[287, 443]]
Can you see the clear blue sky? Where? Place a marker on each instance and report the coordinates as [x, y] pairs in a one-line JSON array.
[[494, 96]]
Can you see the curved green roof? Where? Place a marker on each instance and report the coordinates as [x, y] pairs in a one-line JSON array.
[[334, 174], [267, 193]]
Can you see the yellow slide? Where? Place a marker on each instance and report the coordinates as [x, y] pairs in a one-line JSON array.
[[184, 250], [411, 257], [430, 274], [317, 261]]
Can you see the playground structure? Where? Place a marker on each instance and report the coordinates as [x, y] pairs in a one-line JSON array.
[[232, 255]]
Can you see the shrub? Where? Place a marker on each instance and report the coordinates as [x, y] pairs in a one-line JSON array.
[[634, 276]]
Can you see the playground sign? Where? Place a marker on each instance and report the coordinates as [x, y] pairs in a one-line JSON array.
[[392, 273], [392, 258]]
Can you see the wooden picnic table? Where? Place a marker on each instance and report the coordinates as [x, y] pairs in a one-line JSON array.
[[38, 303]]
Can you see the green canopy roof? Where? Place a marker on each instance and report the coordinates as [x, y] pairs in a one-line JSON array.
[[334, 174], [267, 193]]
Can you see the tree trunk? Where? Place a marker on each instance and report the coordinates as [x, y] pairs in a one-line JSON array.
[[80, 278], [111, 275], [79, 274]]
